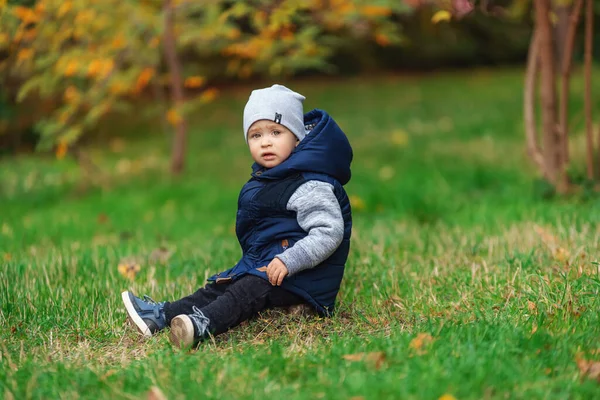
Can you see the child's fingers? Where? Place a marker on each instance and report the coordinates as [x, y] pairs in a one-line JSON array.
[[280, 278]]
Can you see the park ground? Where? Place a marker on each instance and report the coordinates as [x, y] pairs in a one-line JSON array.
[[466, 278]]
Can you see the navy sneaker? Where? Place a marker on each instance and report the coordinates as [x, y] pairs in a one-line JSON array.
[[146, 314], [189, 330]]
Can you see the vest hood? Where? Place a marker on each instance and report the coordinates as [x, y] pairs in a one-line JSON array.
[[324, 150]]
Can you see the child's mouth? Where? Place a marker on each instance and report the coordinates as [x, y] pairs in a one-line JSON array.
[[268, 156]]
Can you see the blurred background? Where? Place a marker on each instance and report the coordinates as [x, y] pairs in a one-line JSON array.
[[98, 95]]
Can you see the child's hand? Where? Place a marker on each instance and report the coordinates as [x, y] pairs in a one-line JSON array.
[[276, 271]]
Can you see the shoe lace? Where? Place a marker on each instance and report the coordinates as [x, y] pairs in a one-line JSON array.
[[200, 320], [158, 307]]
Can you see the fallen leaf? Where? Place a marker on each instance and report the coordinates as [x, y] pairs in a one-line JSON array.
[[129, 269], [447, 397], [156, 394], [262, 269], [418, 343], [589, 369], [386, 173], [102, 218], [160, 255], [357, 203], [375, 359], [399, 137]]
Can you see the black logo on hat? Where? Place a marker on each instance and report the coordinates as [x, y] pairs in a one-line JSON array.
[[277, 118]]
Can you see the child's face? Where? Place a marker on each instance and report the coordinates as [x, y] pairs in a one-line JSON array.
[[270, 143]]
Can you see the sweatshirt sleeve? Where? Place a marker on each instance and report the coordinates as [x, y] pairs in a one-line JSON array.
[[319, 214]]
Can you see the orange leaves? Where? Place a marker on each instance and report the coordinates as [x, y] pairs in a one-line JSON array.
[[209, 95], [420, 343], [143, 79], [382, 40], [375, 11], [174, 117], [24, 55], [374, 359], [129, 269], [72, 68], [154, 42], [118, 42], [99, 68], [61, 150], [25, 14], [194, 82]]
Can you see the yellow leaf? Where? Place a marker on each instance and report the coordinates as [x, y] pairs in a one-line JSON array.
[[118, 88], [194, 82], [64, 8], [94, 68], [440, 16], [357, 203], [71, 69], [399, 137], [447, 397], [107, 67], [61, 150], [129, 269], [173, 117], [209, 95]]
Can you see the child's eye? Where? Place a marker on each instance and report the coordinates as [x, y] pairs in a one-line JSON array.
[[255, 136], [275, 133]]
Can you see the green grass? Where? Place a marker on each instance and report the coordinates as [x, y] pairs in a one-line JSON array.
[[451, 240]]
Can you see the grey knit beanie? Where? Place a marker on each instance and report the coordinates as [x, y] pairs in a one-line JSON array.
[[276, 103]]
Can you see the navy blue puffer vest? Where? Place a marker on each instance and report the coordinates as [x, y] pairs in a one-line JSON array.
[[265, 227]]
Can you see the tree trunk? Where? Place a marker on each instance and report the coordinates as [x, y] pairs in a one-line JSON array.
[[170, 51], [531, 74], [589, 27], [551, 138], [567, 58], [563, 23]]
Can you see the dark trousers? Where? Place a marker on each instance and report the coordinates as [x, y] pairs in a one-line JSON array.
[[229, 304]]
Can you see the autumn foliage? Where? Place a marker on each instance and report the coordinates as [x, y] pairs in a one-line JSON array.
[[94, 57]]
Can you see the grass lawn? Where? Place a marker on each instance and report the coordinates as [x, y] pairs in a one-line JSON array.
[[463, 279]]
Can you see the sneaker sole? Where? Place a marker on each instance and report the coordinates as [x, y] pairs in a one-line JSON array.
[[182, 332], [134, 317]]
